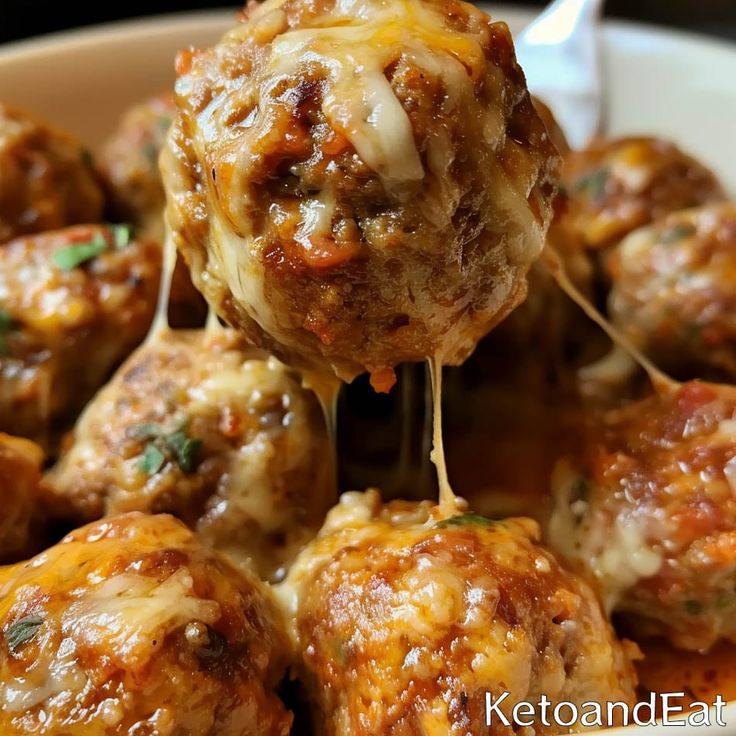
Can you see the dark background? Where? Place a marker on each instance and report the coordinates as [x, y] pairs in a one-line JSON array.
[[23, 18]]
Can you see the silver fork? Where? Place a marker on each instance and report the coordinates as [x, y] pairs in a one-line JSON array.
[[560, 56]]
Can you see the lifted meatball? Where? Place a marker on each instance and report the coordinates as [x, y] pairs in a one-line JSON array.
[[616, 186], [20, 463], [404, 622], [73, 304], [130, 626], [46, 178], [673, 291], [648, 508], [199, 425], [358, 186]]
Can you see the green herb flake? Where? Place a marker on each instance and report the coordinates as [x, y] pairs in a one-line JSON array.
[[7, 325], [594, 183], [152, 460], [22, 631], [185, 449], [78, 253], [678, 232], [121, 235], [693, 608], [465, 520], [87, 158]]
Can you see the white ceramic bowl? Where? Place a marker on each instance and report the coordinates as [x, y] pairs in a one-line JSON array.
[[670, 84]]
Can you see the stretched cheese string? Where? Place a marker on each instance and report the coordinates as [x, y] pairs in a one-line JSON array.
[[213, 326], [660, 380], [449, 503], [160, 322], [326, 387]]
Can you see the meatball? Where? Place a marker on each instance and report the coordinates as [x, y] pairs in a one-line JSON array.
[[618, 185], [358, 189], [403, 621], [20, 462], [555, 132], [73, 304], [46, 178], [647, 506], [199, 425], [128, 162], [673, 291], [130, 626]]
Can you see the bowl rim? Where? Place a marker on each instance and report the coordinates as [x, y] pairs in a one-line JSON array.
[[141, 28]]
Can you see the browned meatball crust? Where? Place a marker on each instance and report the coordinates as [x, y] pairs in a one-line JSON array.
[[673, 291], [200, 425], [618, 185], [73, 304], [129, 162], [20, 463], [404, 621], [357, 187], [131, 626], [46, 177], [647, 506]]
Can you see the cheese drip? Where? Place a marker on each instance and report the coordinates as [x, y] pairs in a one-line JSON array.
[[160, 322], [660, 380], [326, 387], [449, 503]]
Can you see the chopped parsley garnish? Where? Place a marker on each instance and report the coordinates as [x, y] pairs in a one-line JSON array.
[[22, 631], [121, 235], [594, 183], [87, 158], [185, 449], [678, 232], [78, 253], [465, 520], [177, 445], [152, 460], [7, 325]]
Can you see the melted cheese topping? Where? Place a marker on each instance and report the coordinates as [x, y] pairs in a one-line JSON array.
[[161, 320], [449, 503], [134, 613], [362, 39]]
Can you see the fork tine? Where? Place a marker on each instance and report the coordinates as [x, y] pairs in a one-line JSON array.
[[559, 54]]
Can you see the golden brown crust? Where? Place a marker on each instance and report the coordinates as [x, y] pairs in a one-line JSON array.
[[128, 161], [46, 178], [20, 463], [403, 622], [131, 626], [237, 449], [647, 506], [65, 327], [618, 185], [672, 291], [336, 239]]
